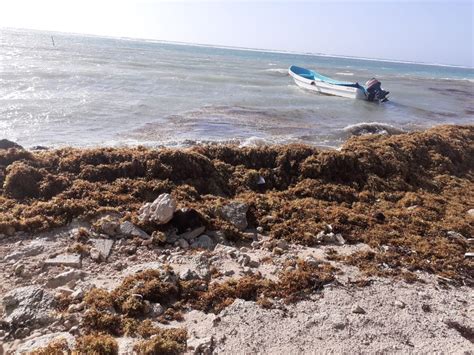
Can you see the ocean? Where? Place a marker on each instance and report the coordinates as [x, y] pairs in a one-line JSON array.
[[88, 91]]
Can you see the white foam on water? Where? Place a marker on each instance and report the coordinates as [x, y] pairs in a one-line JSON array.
[[363, 128], [278, 70]]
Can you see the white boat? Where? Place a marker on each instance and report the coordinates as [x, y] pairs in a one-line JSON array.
[[311, 80]]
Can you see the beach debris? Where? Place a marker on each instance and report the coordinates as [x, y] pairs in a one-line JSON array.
[[64, 278], [128, 229], [159, 211], [469, 255], [235, 213], [71, 260]]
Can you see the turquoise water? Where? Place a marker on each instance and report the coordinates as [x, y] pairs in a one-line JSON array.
[[90, 91]]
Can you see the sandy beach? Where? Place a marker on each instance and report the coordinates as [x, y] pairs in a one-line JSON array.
[[228, 249]]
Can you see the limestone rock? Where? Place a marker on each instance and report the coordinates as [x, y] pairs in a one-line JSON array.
[[159, 211], [103, 246], [43, 340], [65, 277], [109, 225], [33, 249], [235, 213], [27, 305], [128, 229], [192, 234], [204, 241], [201, 345], [71, 260], [188, 274]]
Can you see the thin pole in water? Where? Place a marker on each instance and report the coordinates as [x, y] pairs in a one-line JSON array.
[[52, 40]]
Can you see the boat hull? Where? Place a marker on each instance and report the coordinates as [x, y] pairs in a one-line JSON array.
[[328, 89]]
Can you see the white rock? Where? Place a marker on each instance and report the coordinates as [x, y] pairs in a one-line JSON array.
[[65, 277], [157, 309], [201, 345], [159, 211], [42, 341], [470, 213], [95, 254], [103, 246], [71, 260], [33, 249], [63, 291], [73, 308]]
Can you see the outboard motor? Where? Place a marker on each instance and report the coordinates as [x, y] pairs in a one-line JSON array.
[[374, 91]]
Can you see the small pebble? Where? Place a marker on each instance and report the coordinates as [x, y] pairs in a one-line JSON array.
[[358, 309]]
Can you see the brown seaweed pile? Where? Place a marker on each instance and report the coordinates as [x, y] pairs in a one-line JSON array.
[[399, 194]]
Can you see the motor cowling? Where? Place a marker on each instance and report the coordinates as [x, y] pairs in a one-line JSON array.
[[374, 91]]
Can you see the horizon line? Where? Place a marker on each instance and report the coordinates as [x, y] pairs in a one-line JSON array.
[[253, 49]]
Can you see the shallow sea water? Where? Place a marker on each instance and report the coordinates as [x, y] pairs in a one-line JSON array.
[[92, 91]]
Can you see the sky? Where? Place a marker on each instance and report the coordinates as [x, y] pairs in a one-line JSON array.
[[423, 31]]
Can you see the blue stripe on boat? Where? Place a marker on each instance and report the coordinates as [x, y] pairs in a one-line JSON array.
[[312, 75]]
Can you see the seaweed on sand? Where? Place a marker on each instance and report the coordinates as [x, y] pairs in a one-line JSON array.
[[420, 182]]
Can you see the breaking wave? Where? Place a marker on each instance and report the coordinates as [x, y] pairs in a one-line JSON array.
[[363, 128]]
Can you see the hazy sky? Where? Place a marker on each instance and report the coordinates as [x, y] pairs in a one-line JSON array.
[[425, 31]]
